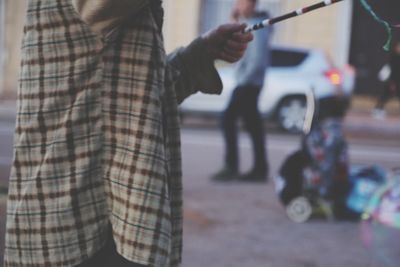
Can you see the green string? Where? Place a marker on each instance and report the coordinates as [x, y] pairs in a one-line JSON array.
[[387, 26]]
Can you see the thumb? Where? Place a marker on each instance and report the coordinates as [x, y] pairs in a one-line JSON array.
[[230, 28]]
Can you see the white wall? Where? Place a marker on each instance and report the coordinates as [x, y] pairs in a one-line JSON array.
[[181, 23]]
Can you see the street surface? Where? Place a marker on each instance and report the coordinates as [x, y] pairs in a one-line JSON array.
[[238, 224], [244, 225]]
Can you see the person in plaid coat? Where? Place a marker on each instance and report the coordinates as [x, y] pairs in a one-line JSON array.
[[96, 177]]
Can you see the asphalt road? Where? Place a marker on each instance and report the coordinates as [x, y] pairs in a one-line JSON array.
[[244, 225]]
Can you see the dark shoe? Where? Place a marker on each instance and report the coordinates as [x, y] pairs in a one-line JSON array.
[[224, 175], [254, 176]]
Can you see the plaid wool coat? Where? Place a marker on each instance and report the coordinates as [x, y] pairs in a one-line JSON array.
[[97, 139]]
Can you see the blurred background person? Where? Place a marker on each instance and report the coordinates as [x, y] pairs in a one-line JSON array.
[[250, 75], [392, 84]]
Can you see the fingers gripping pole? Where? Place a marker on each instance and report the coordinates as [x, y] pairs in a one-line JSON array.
[[257, 26]]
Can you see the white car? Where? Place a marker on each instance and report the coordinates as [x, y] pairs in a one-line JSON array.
[[292, 74]]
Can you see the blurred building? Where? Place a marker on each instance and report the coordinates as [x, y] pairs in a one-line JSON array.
[[329, 29]]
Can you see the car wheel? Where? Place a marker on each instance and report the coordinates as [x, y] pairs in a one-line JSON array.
[[291, 114]]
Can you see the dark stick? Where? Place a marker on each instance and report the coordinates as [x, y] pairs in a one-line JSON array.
[[292, 14]]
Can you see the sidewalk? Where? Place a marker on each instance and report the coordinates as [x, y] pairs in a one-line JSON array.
[[359, 121], [363, 125]]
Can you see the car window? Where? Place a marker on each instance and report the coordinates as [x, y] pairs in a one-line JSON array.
[[286, 58]]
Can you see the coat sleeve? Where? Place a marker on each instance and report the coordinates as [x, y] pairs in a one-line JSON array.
[[104, 15], [191, 69]]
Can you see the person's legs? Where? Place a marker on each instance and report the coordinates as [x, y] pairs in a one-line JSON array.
[[253, 122], [229, 126], [108, 257], [384, 97], [379, 111], [230, 133]]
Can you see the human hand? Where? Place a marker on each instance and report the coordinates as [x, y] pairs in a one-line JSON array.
[[227, 42]]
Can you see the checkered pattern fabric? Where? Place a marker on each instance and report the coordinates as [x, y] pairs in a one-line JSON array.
[[97, 142]]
